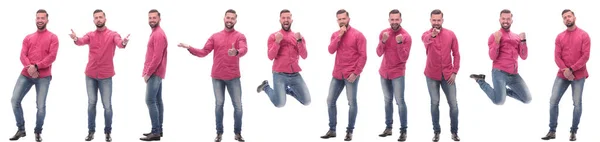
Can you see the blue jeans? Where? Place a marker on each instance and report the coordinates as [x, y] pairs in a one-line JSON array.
[[234, 88], [22, 87], [105, 88], [434, 93], [517, 88], [287, 83], [394, 88], [155, 102], [558, 90], [335, 89]]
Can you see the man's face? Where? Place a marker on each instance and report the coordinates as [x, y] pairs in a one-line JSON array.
[[436, 21], [569, 19], [343, 19], [395, 21], [506, 20], [286, 21], [41, 19], [230, 20], [153, 19], [99, 19]]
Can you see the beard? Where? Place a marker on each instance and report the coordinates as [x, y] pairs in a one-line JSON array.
[[229, 25], [395, 27], [289, 26], [41, 27], [153, 24], [570, 24], [99, 25], [505, 26], [436, 26]]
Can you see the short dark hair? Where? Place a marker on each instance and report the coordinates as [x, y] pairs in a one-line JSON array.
[[154, 11], [342, 11], [231, 11], [98, 11], [567, 10], [284, 11], [436, 11], [506, 11], [42, 11], [395, 11]]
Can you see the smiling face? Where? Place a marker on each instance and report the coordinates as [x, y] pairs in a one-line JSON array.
[[230, 20], [153, 19], [41, 19], [506, 20], [286, 21]]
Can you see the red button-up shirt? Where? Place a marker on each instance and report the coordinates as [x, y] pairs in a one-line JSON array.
[[39, 48], [443, 56], [506, 54], [156, 54], [102, 44], [395, 55], [351, 53], [224, 67], [287, 53], [573, 51]]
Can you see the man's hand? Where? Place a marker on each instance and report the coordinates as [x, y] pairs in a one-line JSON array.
[[298, 36], [33, 72], [352, 78], [568, 74], [342, 31], [385, 37], [278, 37], [73, 35], [183, 45], [435, 32], [399, 38], [146, 77], [522, 36], [497, 36], [126, 39], [452, 79], [232, 51]]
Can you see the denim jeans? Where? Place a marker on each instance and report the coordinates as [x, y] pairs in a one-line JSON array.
[[558, 90], [234, 88], [155, 103], [434, 93], [517, 88], [335, 89], [104, 86], [287, 83], [394, 88], [22, 87]]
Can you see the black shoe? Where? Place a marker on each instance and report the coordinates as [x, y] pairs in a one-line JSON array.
[[146, 134], [262, 85], [436, 137], [329, 134], [90, 136], [573, 137], [402, 137], [151, 137], [219, 138], [550, 135], [38, 138], [348, 136], [18, 135], [477, 76], [239, 138], [108, 138], [386, 132], [455, 137]]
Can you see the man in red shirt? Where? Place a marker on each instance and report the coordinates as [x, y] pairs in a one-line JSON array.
[[155, 68], [37, 55], [100, 70], [394, 46], [571, 55], [350, 48], [229, 46], [285, 48], [505, 49], [443, 63]]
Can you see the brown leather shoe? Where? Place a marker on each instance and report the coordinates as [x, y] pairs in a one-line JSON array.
[[386, 132], [329, 134], [18, 135], [402, 137], [550, 135], [239, 138], [455, 137], [573, 137], [219, 138], [348, 136], [151, 137]]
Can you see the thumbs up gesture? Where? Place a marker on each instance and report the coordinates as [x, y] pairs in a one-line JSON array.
[[232, 51]]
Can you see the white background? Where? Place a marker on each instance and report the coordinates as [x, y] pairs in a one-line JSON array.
[[188, 94]]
